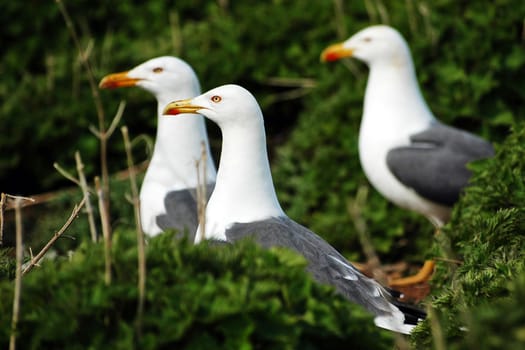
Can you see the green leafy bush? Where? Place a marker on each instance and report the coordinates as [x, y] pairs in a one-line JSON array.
[[197, 297], [486, 236], [496, 324]]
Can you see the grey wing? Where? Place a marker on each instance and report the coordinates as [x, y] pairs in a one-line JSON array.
[[325, 264], [181, 211], [434, 164]]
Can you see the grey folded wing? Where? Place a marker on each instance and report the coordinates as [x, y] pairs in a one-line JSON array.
[[181, 211], [325, 264], [434, 164]]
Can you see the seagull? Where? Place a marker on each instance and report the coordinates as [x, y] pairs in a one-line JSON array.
[[409, 156], [244, 204], [168, 197]]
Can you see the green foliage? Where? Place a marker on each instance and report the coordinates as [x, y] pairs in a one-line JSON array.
[[197, 297], [497, 324], [7, 264], [486, 235]]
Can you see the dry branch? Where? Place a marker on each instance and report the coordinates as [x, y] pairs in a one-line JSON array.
[[5, 204], [34, 261], [201, 190], [18, 274], [85, 191], [140, 234], [354, 209], [105, 231], [2, 205], [103, 135]]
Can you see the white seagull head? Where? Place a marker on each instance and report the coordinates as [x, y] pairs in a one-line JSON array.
[[373, 45], [225, 105], [160, 76]]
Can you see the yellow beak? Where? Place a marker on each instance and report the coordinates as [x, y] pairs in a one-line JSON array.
[[117, 80], [335, 52], [181, 106]]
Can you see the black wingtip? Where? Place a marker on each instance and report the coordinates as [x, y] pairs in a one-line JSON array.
[[413, 314]]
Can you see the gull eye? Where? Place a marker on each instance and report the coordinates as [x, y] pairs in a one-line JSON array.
[[216, 99], [367, 39], [158, 70]]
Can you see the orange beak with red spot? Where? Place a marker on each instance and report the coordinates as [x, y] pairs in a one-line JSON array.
[[181, 106], [117, 80], [335, 52]]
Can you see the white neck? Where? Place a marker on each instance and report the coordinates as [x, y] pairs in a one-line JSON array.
[[178, 146], [244, 189], [393, 95]]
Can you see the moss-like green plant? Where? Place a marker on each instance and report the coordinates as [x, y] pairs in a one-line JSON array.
[[197, 297], [483, 246]]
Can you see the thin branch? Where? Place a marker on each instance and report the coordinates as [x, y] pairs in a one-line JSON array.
[[450, 261], [85, 192], [2, 206], [95, 132], [140, 234], [291, 82], [176, 35], [105, 231], [84, 59], [147, 141], [10, 199], [66, 174], [201, 190], [116, 119], [34, 261], [18, 274], [339, 19], [354, 209], [372, 13], [83, 54], [383, 12]]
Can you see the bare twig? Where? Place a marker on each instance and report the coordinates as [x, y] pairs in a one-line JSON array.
[[105, 231], [339, 19], [307, 83], [85, 191], [201, 190], [116, 119], [176, 35], [66, 174], [18, 274], [148, 142], [450, 261], [103, 137], [140, 234], [411, 14], [372, 13], [34, 261], [11, 201], [354, 209], [2, 205], [383, 12]]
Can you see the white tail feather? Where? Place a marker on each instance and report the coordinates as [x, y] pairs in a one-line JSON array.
[[394, 322]]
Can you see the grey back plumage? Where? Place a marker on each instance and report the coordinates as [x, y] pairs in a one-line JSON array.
[[325, 264], [181, 211], [434, 164]]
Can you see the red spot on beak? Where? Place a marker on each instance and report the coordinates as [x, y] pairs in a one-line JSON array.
[[172, 111], [331, 56]]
